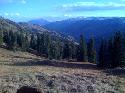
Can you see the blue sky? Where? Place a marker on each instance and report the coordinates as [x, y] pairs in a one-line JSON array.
[[23, 10]]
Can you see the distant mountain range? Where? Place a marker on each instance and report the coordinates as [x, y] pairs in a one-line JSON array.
[[39, 21], [97, 26]]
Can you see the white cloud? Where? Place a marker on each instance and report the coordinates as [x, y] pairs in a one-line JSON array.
[[23, 1], [6, 14], [17, 14], [11, 14], [91, 6], [67, 15], [12, 1]]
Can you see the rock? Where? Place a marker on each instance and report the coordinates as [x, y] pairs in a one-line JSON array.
[[79, 88], [90, 89], [63, 88], [73, 90], [50, 83], [26, 89]]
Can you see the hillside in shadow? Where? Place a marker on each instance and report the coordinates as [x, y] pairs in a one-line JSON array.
[[82, 65]]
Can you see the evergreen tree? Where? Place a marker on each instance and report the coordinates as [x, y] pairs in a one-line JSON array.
[[82, 50], [61, 50], [42, 44], [58, 49], [122, 62], [49, 47], [12, 41], [101, 54], [117, 50], [33, 42], [21, 41], [6, 37], [106, 54], [73, 50], [91, 51], [45, 44], [110, 52], [66, 51], [39, 44], [123, 52], [52, 51], [26, 43], [1, 36]]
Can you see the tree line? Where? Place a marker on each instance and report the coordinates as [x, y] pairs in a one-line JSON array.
[[111, 52], [46, 46]]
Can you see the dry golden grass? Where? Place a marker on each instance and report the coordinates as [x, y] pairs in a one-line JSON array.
[[7, 58]]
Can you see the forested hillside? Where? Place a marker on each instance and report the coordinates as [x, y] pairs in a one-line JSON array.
[[32, 38], [37, 58], [42, 42]]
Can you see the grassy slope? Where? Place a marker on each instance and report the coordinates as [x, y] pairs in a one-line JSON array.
[[101, 80]]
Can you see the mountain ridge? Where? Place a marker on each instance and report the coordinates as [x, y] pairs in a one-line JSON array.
[[8, 25], [39, 21], [96, 26]]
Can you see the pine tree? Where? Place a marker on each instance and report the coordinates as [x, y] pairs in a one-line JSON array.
[[91, 51], [26, 43], [33, 42], [6, 37], [12, 44], [19, 43], [101, 54], [52, 51], [106, 54], [58, 49], [117, 50], [110, 53], [21, 40], [61, 50], [66, 51], [1, 36], [44, 45], [82, 50], [39, 45], [48, 42], [122, 63], [73, 50]]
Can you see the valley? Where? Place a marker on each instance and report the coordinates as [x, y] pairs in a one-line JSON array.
[[52, 62], [62, 46]]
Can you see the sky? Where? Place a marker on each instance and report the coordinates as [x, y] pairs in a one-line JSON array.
[[23, 10]]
